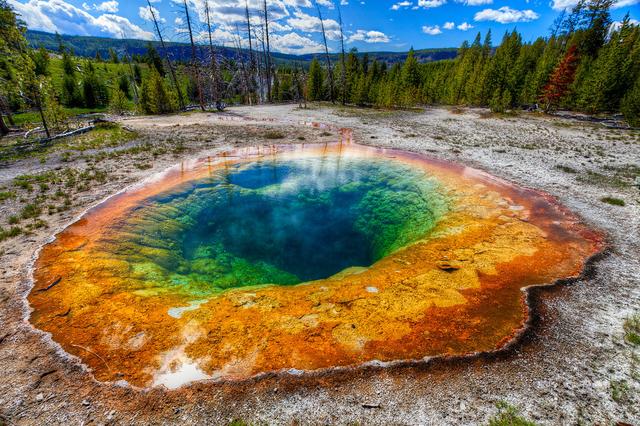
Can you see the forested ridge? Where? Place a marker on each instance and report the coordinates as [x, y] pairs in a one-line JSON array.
[[89, 47], [586, 64]]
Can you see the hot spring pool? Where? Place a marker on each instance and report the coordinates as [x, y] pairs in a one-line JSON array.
[[299, 257]]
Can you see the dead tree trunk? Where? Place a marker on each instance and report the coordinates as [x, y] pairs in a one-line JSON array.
[[166, 55], [263, 73], [343, 71], [42, 117], [268, 53], [243, 68], [194, 58], [215, 76], [252, 62], [3, 126], [132, 75], [326, 52]]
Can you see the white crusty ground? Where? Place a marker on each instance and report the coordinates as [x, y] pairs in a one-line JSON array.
[[562, 374]]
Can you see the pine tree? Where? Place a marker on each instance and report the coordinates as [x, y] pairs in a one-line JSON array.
[[55, 116], [155, 96], [630, 105], [154, 59], [613, 72], [560, 80], [410, 79], [113, 56], [124, 86], [119, 103], [41, 60], [94, 91], [315, 81]]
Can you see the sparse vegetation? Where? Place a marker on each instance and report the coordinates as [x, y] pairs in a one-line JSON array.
[[613, 201], [508, 415], [566, 169], [619, 390], [632, 330], [11, 232], [273, 134]]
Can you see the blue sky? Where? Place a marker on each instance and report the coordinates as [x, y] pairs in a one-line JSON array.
[[369, 25]]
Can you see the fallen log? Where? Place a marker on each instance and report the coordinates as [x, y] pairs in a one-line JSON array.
[[69, 133]]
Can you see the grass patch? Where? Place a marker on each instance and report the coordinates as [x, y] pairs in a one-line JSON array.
[[33, 117], [631, 328], [9, 233], [274, 134], [30, 211], [105, 135], [566, 169], [5, 195], [508, 415], [619, 390], [613, 201]]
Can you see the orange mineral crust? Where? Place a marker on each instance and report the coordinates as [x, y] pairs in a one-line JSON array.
[[455, 289]]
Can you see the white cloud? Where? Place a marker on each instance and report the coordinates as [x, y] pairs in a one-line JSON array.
[[344, 3], [506, 15], [276, 26], [326, 3], [475, 2], [448, 25], [402, 4], [60, 16], [295, 43], [178, 21], [107, 6], [118, 26], [435, 30], [624, 3], [369, 37], [145, 13], [465, 26], [311, 24], [427, 4]]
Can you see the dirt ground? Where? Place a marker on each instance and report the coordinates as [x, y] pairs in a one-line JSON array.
[[572, 367]]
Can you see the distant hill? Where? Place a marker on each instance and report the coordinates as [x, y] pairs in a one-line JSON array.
[[89, 46]]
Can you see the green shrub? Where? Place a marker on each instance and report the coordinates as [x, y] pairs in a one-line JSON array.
[[508, 415], [613, 201]]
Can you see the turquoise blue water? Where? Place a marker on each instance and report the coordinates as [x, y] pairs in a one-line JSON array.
[[281, 222]]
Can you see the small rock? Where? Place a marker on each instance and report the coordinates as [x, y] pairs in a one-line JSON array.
[[370, 405], [448, 265], [85, 402], [39, 397]]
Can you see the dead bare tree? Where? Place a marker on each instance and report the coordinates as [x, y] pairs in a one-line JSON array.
[[244, 75], [252, 62], [246, 10], [166, 55], [326, 51], [268, 52], [215, 71], [132, 76], [262, 64], [194, 58], [343, 71]]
